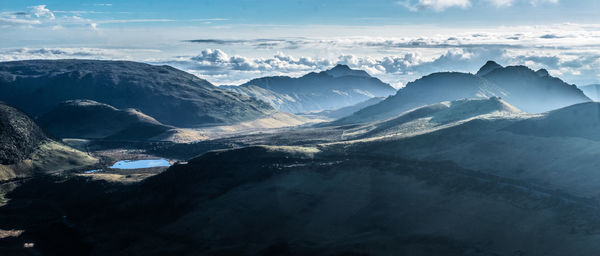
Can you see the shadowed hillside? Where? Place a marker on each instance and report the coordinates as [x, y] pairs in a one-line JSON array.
[[25, 150], [37, 86], [93, 120], [19, 135]]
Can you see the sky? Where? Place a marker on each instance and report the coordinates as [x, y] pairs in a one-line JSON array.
[[230, 42]]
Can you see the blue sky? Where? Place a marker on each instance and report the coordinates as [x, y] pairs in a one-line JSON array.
[[338, 12], [229, 42]]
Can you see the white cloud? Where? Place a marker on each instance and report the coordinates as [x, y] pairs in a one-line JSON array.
[[568, 50], [40, 16], [40, 11], [437, 5]]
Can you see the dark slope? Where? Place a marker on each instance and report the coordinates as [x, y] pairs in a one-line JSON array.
[[330, 89], [25, 151], [278, 201], [520, 86], [19, 135], [592, 91], [580, 120], [93, 120], [171, 96]]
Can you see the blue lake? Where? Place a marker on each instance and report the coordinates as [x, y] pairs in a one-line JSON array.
[[138, 164]]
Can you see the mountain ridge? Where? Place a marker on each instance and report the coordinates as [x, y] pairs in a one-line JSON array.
[[157, 91], [520, 86], [334, 88]]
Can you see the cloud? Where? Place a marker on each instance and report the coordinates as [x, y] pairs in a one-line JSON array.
[[40, 16], [570, 51], [436, 5], [40, 11], [219, 67]]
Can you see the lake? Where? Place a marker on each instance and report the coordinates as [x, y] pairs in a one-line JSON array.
[[138, 164]]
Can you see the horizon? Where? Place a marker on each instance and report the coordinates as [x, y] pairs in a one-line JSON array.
[[232, 42]]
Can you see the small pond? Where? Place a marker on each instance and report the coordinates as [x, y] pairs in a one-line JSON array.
[[138, 164]]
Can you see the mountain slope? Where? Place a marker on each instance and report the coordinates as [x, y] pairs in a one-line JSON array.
[[436, 116], [283, 200], [25, 150], [592, 91], [93, 120], [520, 86], [19, 135], [36, 86], [331, 89], [557, 150], [428, 90], [580, 120]]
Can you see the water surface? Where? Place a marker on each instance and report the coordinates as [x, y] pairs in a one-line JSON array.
[[138, 164]]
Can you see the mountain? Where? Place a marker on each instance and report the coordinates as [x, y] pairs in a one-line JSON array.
[[36, 86], [488, 67], [436, 116], [534, 91], [592, 91], [349, 110], [281, 102], [520, 86], [25, 150], [331, 89], [352, 198], [19, 135], [93, 120]]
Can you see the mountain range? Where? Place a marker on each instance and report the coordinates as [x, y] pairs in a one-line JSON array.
[[501, 162], [37, 86], [335, 88], [528, 90]]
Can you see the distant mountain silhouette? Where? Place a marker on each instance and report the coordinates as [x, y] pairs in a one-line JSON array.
[[592, 91], [170, 95], [520, 86], [488, 67], [93, 120], [331, 89]]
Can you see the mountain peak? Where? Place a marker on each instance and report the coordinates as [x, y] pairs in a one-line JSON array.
[[542, 72], [344, 70], [341, 67], [488, 67]]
